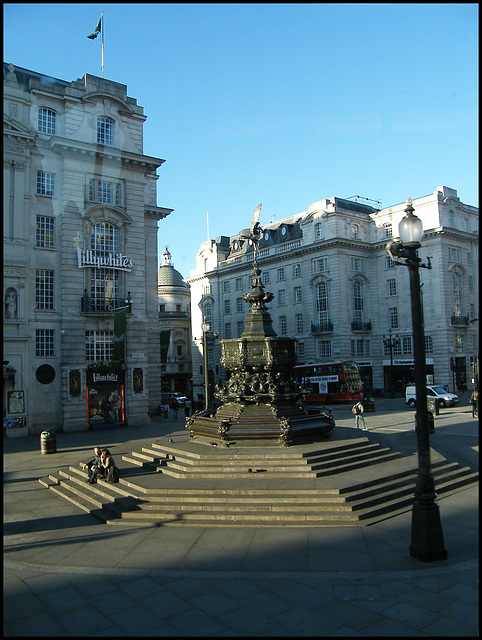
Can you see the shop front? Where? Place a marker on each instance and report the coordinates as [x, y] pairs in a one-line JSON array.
[[105, 398], [398, 375]]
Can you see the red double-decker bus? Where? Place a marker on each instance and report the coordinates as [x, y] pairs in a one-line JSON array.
[[331, 381]]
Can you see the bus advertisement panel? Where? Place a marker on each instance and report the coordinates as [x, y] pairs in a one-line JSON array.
[[331, 381]]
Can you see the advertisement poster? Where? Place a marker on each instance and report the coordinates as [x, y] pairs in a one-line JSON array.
[[16, 402], [105, 398]]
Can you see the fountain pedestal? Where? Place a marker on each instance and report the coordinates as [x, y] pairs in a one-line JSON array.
[[261, 401]]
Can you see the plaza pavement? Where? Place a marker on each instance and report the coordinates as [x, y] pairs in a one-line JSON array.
[[67, 574]]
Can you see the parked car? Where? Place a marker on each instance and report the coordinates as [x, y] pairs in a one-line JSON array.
[[445, 398]]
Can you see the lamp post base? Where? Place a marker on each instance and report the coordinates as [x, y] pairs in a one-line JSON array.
[[427, 536]]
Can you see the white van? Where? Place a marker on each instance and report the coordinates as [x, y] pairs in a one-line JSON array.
[[445, 398]]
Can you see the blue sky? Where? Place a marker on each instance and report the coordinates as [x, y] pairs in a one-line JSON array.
[[283, 104]]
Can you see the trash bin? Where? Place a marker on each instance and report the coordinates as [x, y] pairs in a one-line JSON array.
[[368, 404], [48, 443]]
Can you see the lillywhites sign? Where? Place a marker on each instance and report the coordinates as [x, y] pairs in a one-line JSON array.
[[89, 258]]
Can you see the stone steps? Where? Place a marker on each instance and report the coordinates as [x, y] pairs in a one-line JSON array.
[[336, 458], [362, 503]]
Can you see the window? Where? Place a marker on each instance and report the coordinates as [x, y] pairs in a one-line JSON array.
[[459, 343], [105, 191], [227, 306], [239, 283], [355, 231], [226, 286], [227, 330], [105, 131], [407, 345], [299, 323], [45, 232], [297, 294], [280, 274], [44, 342], [45, 183], [322, 303], [391, 287], [240, 327], [454, 254], [281, 297], [283, 325], [265, 277], [393, 318], [357, 264], [301, 350], [239, 305], [296, 270], [389, 264], [387, 230], [457, 293], [319, 231], [104, 289], [104, 237], [320, 265], [208, 312], [428, 344], [98, 345], [358, 302], [46, 121], [324, 349], [451, 218], [44, 289]]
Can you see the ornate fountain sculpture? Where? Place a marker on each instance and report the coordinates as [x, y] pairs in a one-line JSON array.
[[261, 401]]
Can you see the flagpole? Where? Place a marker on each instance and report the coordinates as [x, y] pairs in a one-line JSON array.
[[102, 46]]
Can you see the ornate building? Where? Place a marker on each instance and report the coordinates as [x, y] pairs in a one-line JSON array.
[[340, 294], [81, 319], [175, 322]]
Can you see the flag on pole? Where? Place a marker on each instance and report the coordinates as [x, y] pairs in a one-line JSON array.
[[97, 30]]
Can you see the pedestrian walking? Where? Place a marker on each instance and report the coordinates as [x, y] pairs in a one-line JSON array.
[[474, 401], [187, 408], [175, 407], [165, 411], [357, 411]]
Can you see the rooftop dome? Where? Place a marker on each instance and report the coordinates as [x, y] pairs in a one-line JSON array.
[[167, 276]]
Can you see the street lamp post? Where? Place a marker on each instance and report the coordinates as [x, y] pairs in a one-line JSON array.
[[427, 542], [390, 342]]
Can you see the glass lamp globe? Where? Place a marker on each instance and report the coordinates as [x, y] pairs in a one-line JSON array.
[[410, 228]]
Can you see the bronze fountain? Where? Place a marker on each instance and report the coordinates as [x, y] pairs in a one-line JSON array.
[[261, 400]]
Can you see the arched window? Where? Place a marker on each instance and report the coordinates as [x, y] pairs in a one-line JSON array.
[[358, 302], [457, 293], [208, 312], [104, 237], [46, 122], [105, 131]]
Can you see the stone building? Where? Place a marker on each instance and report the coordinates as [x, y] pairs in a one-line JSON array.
[[340, 294], [175, 323], [81, 319]]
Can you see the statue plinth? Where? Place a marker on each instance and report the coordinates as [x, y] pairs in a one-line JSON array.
[[261, 399]]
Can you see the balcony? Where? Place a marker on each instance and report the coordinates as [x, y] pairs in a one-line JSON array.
[[457, 320], [323, 327], [104, 306], [356, 325]]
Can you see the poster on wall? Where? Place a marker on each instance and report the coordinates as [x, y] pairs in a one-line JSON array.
[[105, 398], [16, 402]]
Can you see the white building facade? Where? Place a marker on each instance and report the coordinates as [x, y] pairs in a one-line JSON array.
[[81, 325], [340, 294]]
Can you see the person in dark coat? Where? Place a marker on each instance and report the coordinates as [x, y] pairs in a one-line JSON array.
[[94, 466], [111, 472]]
